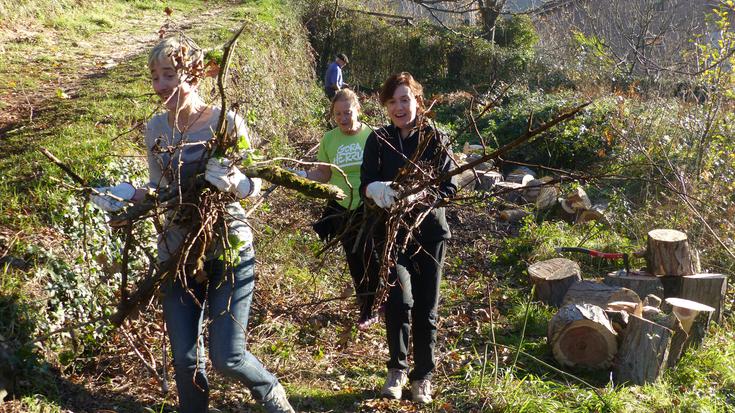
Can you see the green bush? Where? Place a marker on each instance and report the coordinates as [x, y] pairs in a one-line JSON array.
[[439, 58]]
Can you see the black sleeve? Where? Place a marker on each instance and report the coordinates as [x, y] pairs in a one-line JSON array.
[[448, 187], [370, 169]]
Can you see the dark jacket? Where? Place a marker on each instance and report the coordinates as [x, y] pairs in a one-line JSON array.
[[386, 153]]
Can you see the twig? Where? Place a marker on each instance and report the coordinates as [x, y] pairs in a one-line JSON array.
[[78, 179]]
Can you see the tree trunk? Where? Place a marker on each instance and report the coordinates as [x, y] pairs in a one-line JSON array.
[[668, 253], [707, 289], [553, 278], [643, 353], [599, 294], [643, 284], [582, 336], [489, 12]]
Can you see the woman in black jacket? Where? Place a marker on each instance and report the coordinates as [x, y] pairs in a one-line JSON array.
[[398, 159]]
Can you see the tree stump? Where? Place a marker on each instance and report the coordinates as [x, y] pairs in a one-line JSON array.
[[707, 289], [668, 253], [599, 294], [581, 335], [553, 278], [642, 283], [643, 353]]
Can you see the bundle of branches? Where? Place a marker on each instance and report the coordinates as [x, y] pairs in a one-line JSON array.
[[418, 182], [190, 201]]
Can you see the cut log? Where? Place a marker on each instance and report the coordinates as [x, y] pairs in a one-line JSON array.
[[707, 289], [668, 253], [553, 278], [488, 180], [508, 191], [485, 166], [599, 294], [642, 283], [513, 215], [618, 319], [694, 318], [582, 336], [652, 300], [643, 353], [595, 213], [533, 188], [547, 197], [521, 175], [466, 181], [576, 201], [678, 341]]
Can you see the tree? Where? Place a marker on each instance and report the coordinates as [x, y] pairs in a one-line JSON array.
[[487, 11]]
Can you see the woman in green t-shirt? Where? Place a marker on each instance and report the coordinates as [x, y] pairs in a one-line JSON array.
[[340, 154]]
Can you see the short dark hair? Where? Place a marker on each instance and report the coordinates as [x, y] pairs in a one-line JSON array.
[[403, 78], [343, 57]]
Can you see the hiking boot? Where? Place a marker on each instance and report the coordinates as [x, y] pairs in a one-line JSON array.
[[421, 391], [394, 383], [276, 401]]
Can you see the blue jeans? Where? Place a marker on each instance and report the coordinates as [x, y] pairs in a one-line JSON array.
[[227, 295]]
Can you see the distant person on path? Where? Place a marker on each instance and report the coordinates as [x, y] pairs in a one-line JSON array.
[[414, 277], [176, 149], [333, 80], [342, 147]]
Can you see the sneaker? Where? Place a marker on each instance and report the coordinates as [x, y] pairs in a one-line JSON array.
[[421, 391], [366, 321], [394, 383], [276, 401]]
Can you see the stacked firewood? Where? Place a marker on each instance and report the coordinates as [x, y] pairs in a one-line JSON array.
[[525, 194], [636, 323]]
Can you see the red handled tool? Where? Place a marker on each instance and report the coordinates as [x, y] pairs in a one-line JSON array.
[[599, 254]]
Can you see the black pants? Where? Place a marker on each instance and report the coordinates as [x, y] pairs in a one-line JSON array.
[[414, 297], [337, 221]]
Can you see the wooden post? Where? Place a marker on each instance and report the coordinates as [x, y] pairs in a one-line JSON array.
[[599, 294], [553, 278], [642, 283], [581, 335], [668, 253], [643, 353]]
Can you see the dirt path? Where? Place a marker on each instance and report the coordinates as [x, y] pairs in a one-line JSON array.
[[80, 59]]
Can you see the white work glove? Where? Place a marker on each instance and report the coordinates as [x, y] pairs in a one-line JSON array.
[[381, 193], [111, 198], [227, 178]]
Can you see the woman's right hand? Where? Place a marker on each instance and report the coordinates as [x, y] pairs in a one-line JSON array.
[[381, 193], [113, 198]]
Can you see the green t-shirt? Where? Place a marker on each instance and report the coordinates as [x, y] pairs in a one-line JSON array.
[[345, 151]]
